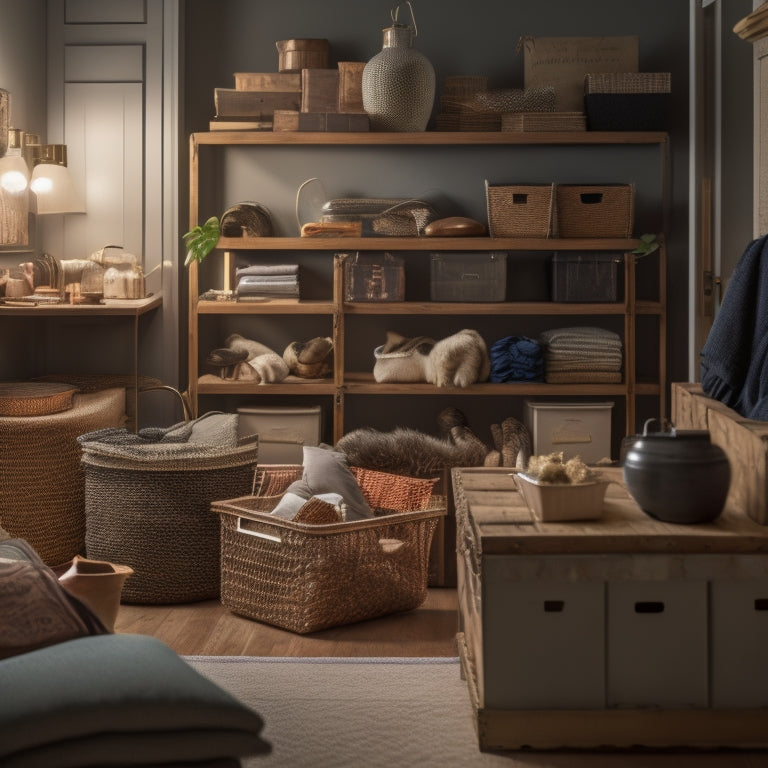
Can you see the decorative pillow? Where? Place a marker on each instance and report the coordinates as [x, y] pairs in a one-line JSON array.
[[325, 472], [36, 609], [83, 702]]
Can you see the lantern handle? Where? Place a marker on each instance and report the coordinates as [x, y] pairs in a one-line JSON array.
[[394, 13]]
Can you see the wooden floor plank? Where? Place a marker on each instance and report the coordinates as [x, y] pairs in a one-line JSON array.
[[208, 629]]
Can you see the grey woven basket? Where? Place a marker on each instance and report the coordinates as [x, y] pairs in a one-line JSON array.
[[154, 515]]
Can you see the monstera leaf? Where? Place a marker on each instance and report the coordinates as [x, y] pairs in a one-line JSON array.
[[201, 240]]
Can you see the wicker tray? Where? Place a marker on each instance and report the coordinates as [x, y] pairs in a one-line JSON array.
[[26, 398]]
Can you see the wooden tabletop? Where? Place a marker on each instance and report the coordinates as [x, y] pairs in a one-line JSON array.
[[487, 500]]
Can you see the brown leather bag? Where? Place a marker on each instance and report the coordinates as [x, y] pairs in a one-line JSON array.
[[35, 609]]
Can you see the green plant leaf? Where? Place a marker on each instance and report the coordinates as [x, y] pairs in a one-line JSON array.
[[648, 244], [201, 240]]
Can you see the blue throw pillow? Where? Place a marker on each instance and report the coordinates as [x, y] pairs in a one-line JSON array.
[[88, 701]]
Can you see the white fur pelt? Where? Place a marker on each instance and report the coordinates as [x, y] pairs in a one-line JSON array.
[[455, 361]]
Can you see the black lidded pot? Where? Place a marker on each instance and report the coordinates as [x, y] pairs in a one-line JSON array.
[[678, 476]]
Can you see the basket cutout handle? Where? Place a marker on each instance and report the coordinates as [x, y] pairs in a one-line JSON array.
[[519, 198], [257, 534], [390, 546], [591, 198]]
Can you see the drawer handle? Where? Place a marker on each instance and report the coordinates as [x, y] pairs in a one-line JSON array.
[[650, 606], [554, 606], [761, 604]]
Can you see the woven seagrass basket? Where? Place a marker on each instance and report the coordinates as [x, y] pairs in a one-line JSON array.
[[595, 210], [154, 515], [519, 210], [305, 577], [42, 488]]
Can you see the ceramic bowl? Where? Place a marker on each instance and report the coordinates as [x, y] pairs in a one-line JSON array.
[[553, 502]]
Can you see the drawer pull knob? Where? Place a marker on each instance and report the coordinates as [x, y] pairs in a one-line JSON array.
[[650, 606], [554, 606]]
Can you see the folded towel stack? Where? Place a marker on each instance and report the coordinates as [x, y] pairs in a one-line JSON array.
[[516, 358], [582, 355], [267, 281]]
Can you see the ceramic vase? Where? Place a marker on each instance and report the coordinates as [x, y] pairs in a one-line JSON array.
[[399, 82]]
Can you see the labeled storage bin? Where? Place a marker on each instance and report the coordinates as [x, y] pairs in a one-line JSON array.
[[283, 430], [305, 577], [627, 101], [586, 277], [374, 277], [470, 277], [657, 644], [519, 210], [595, 210], [576, 429]]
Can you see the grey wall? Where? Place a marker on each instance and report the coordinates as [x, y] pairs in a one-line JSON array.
[[459, 39]]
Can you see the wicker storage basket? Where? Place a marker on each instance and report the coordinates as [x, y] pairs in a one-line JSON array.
[[519, 210], [594, 210], [42, 488], [154, 515], [304, 577]]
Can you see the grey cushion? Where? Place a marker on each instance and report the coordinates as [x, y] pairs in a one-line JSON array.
[[89, 701], [325, 471]]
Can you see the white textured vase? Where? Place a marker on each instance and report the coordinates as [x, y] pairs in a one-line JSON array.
[[398, 84]]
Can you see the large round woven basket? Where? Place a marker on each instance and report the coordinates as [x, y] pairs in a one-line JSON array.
[[42, 488], [155, 516]]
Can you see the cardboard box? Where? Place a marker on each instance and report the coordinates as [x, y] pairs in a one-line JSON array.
[[563, 62], [267, 81], [576, 429], [283, 431]]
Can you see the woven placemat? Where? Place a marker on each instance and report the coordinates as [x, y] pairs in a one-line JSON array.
[[27, 398]]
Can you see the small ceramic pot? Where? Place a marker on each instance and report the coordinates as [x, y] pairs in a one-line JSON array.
[[678, 476]]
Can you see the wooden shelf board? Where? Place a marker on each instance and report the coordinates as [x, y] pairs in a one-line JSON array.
[[323, 387], [424, 244], [109, 307], [268, 307], [481, 308], [428, 138]]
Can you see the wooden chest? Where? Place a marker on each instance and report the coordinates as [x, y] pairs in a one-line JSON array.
[[617, 632], [744, 441]]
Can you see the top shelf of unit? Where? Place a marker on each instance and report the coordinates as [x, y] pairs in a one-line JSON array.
[[287, 138], [424, 244]]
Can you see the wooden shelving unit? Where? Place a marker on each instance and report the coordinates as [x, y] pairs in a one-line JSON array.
[[346, 383]]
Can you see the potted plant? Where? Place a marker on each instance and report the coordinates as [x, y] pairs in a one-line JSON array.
[[201, 240]]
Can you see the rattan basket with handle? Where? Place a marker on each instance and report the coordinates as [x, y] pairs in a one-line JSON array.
[[307, 577], [593, 210], [519, 210]]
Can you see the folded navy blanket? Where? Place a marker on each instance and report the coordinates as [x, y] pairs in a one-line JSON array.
[[516, 358]]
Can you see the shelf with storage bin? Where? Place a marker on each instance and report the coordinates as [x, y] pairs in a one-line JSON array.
[[348, 380]]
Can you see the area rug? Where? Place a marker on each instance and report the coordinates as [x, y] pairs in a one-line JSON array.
[[406, 712]]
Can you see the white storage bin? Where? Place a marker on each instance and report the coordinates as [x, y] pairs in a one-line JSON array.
[[576, 429], [283, 431], [739, 640], [657, 644], [544, 641]]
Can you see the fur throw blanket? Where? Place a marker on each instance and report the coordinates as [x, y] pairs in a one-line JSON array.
[[456, 361]]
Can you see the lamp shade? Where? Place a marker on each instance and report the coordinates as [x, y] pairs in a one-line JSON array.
[[14, 174], [54, 190]]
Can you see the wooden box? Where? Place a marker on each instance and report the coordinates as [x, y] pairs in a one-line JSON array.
[[230, 102], [299, 53], [267, 81], [744, 441], [351, 86], [563, 62], [331, 122], [319, 90]]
